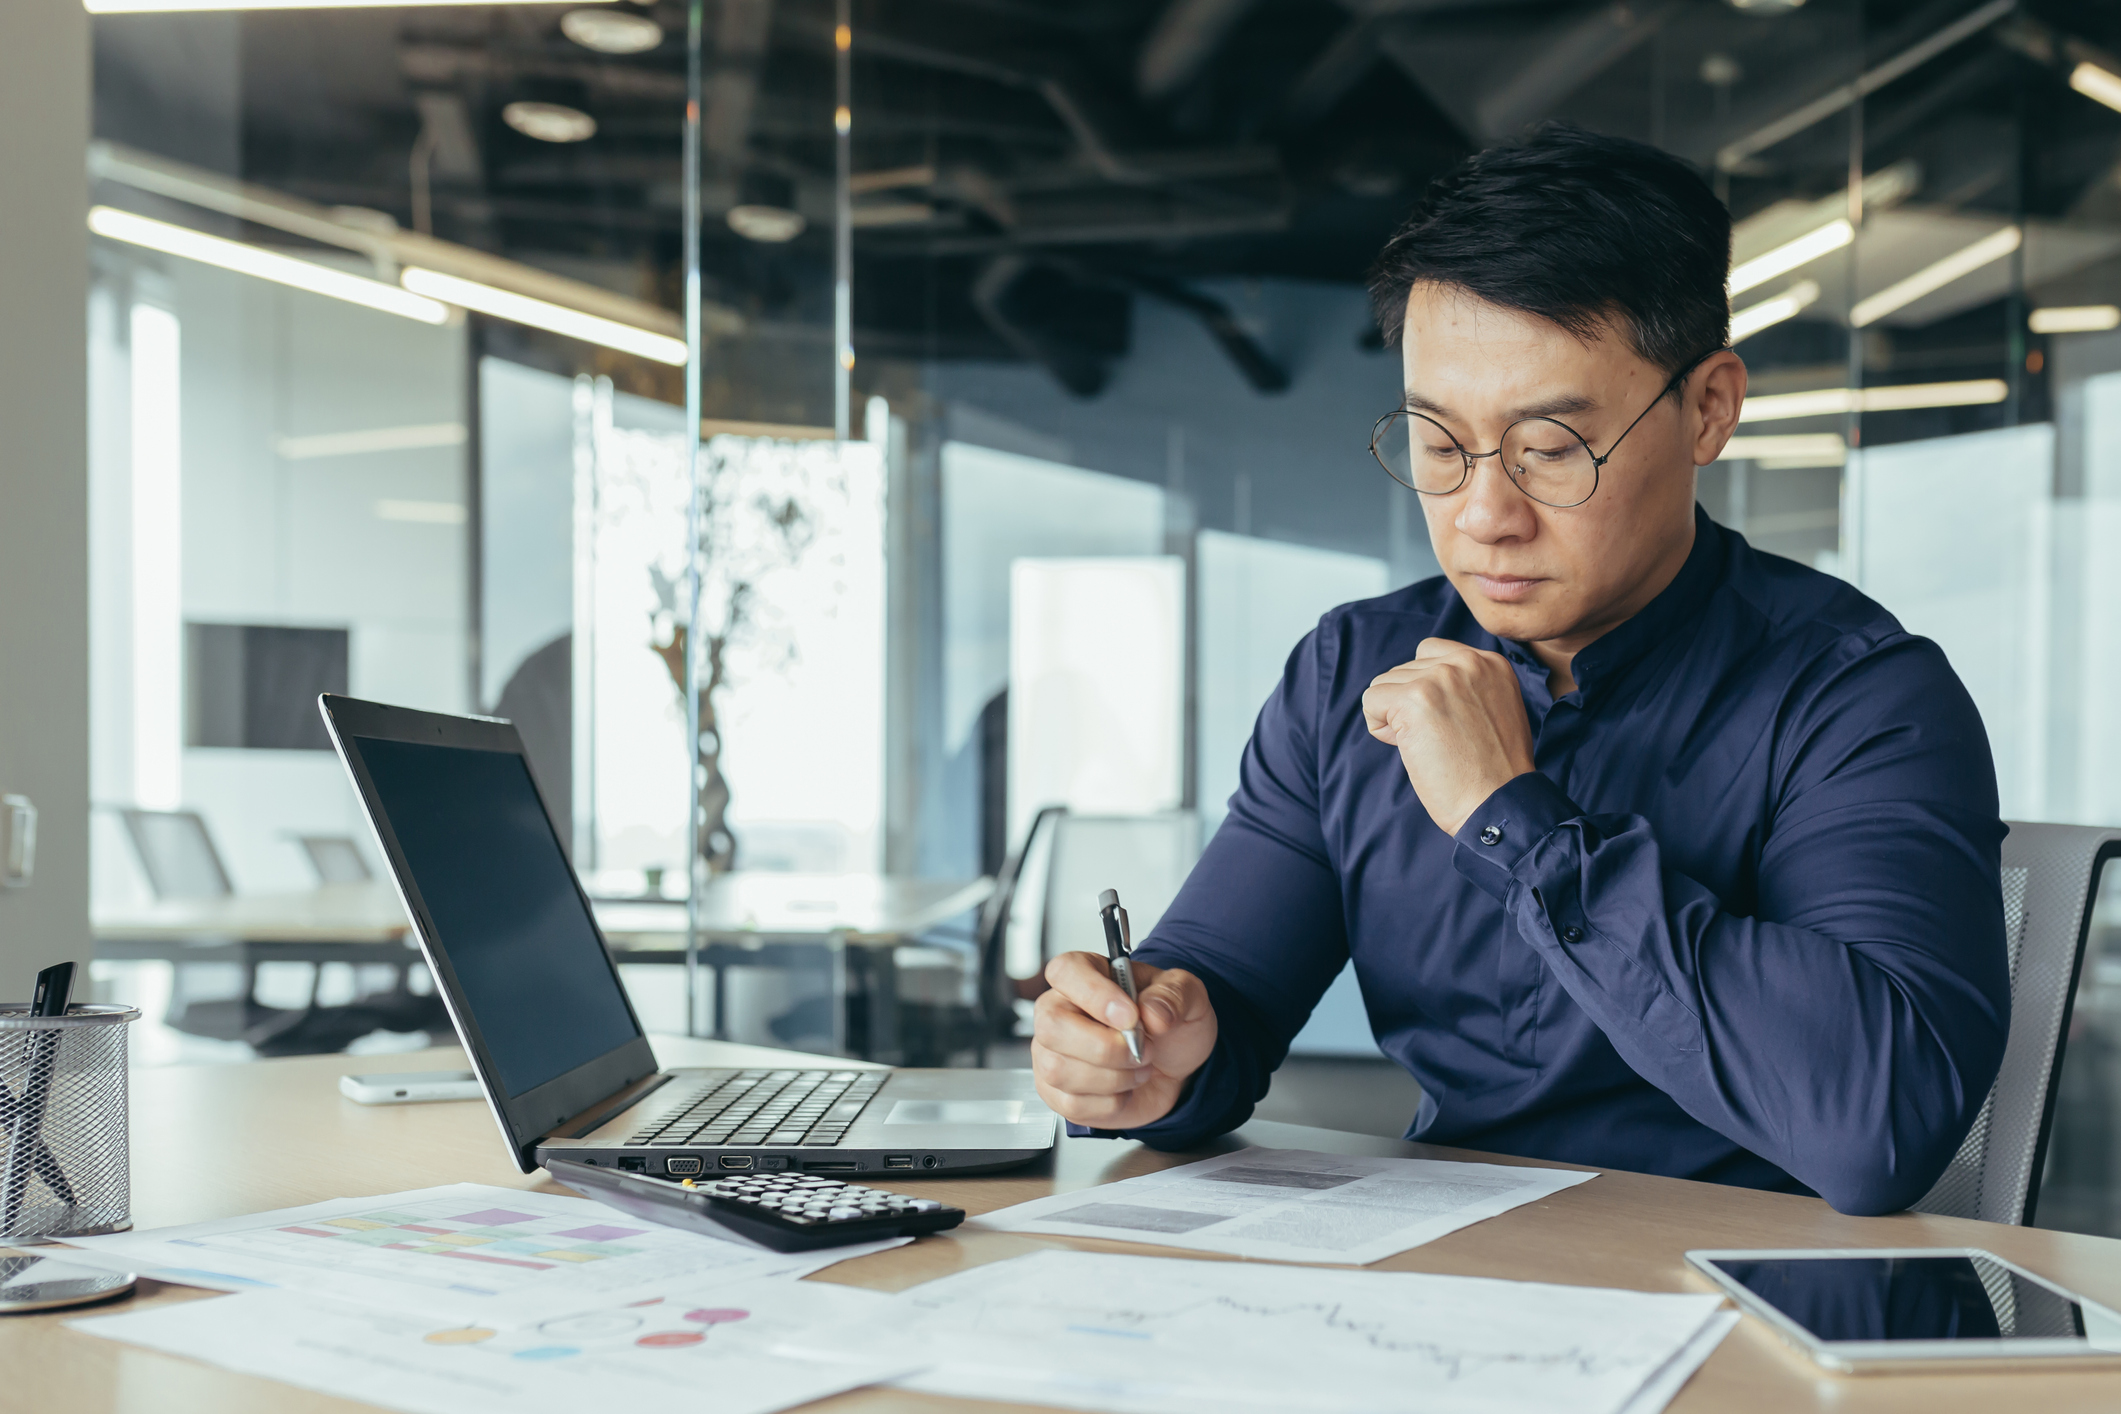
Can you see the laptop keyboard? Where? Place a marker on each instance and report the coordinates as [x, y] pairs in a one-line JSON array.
[[811, 1108]]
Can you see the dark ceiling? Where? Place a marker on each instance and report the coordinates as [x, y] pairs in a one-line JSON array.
[[1028, 168]]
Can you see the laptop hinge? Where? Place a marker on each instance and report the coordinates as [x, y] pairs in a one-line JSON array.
[[602, 1111]]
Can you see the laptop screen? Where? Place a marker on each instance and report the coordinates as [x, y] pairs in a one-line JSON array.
[[502, 898]]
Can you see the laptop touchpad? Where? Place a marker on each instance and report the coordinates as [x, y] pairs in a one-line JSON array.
[[956, 1112]]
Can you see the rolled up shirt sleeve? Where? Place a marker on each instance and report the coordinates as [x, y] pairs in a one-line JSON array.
[[1849, 1030]]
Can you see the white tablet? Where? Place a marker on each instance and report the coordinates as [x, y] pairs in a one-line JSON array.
[[1859, 1310]]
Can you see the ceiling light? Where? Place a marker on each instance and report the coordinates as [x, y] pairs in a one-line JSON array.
[[1792, 449], [1791, 254], [137, 7], [1823, 402], [540, 314], [264, 264], [2097, 84], [2075, 319], [771, 224], [611, 31], [550, 122], [1765, 7], [1749, 321], [372, 439], [1993, 246]]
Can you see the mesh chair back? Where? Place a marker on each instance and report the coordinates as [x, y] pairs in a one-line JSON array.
[[2049, 875], [336, 859], [176, 853]]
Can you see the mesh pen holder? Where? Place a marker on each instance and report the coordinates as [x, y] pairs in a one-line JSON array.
[[64, 1165]]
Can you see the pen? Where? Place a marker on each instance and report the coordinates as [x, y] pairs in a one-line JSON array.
[[27, 1152], [1119, 947]]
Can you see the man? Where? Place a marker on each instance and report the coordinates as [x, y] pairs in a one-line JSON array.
[[1651, 851]]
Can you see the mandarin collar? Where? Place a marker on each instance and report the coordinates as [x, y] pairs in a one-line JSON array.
[[1606, 657]]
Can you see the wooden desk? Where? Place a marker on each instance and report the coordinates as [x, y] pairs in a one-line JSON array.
[[213, 1142]]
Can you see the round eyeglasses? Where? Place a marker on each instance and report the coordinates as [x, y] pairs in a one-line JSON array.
[[1545, 458]]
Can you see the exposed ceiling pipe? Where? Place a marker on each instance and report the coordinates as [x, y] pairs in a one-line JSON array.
[[1259, 367], [1549, 72], [1733, 155], [1184, 39], [1078, 369]]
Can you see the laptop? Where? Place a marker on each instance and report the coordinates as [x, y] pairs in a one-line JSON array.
[[567, 1071]]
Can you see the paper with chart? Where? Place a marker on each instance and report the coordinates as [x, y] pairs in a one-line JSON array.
[[465, 1248], [689, 1348], [1161, 1335], [1291, 1205]]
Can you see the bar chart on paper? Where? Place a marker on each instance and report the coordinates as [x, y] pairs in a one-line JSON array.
[[444, 1250]]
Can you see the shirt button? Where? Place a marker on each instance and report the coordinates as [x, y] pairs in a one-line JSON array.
[[1491, 835], [1572, 934]]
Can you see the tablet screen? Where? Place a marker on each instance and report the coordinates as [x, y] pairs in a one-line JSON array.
[[1944, 1297]]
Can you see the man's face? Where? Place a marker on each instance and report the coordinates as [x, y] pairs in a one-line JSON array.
[[1533, 572]]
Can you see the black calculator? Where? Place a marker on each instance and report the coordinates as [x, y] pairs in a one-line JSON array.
[[789, 1212]]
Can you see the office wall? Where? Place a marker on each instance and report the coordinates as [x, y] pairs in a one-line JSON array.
[[43, 476]]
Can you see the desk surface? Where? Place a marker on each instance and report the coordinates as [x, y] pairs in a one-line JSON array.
[[859, 908], [212, 1142]]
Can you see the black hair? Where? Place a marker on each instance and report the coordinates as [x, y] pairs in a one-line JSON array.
[[1577, 228]]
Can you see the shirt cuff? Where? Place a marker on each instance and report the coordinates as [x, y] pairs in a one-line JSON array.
[[1505, 827]]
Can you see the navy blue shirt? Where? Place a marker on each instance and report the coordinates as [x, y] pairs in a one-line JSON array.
[[1743, 923]]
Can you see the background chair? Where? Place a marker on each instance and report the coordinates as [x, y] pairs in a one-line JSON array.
[[337, 859], [176, 853], [2050, 878], [932, 1028]]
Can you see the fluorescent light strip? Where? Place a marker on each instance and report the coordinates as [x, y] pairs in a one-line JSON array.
[[1991, 247], [421, 512], [539, 314], [2075, 319], [375, 439], [1792, 449], [1791, 254], [1824, 402], [1751, 320], [2097, 84], [264, 264], [168, 7]]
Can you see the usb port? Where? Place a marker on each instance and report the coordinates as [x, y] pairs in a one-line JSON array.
[[682, 1165], [830, 1166], [735, 1161], [898, 1161], [633, 1165]]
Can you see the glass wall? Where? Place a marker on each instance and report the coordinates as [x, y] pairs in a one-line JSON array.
[[1104, 302]]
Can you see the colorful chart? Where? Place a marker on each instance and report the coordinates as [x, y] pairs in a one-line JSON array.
[[490, 1235], [664, 1339]]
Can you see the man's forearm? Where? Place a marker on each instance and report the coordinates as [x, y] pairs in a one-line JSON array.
[[1855, 1059]]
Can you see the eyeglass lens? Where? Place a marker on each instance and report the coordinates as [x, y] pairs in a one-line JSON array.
[[1548, 462]]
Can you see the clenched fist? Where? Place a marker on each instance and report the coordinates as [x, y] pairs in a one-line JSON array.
[[1457, 716], [1079, 1061]]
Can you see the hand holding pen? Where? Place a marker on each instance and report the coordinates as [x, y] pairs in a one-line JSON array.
[[1080, 1058]]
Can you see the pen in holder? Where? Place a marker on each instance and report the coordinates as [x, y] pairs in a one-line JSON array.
[[64, 1164]]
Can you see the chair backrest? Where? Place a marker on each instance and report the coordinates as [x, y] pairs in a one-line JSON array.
[[2050, 873], [336, 859], [1145, 857], [176, 853], [991, 935]]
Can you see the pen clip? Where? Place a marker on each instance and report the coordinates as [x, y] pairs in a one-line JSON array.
[[1126, 931]]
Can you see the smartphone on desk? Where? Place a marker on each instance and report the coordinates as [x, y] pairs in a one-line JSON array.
[[409, 1087]]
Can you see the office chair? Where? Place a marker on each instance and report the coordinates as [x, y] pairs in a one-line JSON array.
[[336, 859], [176, 853], [2050, 874], [933, 1032], [1145, 857]]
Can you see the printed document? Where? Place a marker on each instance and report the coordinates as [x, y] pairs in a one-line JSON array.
[[1291, 1205], [687, 1348], [465, 1249], [1163, 1335]]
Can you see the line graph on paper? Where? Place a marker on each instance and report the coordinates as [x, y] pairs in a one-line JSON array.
[[1153, 1332]]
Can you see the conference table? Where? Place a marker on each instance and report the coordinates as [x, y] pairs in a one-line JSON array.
[[221, 1141], [853, 926]]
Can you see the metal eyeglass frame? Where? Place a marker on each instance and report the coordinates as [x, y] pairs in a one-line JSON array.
[[1377, 432]]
